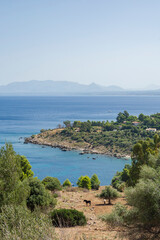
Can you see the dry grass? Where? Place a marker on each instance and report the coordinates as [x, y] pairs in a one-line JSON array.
[[95, 228]]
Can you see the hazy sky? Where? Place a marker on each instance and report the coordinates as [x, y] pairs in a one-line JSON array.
[[103, 41]]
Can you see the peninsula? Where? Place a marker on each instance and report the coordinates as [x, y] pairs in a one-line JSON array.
[[115, 138]]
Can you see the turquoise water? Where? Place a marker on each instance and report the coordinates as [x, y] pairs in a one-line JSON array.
[[23, 116]]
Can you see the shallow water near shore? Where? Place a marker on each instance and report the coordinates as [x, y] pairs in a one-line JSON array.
[[23, 116]]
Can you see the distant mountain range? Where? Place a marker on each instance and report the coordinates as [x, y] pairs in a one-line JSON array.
[[66, 88], [54, 88]]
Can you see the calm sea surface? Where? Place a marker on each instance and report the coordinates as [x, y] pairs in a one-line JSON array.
[[24, 116]]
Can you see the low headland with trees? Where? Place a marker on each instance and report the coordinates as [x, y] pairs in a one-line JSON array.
[[115, 138]]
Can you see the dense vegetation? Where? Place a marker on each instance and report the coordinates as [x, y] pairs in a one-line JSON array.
[[142, 154], [113, 138], [21, 195], [143, 199], [67, 218], [141, 181], [26, 202]]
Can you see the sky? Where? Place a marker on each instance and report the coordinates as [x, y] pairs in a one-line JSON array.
[[109, 42]]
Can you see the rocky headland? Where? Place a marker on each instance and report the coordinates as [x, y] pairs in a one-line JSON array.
[[54, 139]]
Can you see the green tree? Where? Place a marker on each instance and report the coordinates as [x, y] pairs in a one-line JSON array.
[[125, 175], [121, 117], [26, 168], [79, 181], [109, 193], [120, 178], [51, 183], [12, 189], [141, 117], [95, 183], [67, 183], [39, 196], [126, 114], [67, 123], [85, 127], [84, 182], [140, 156], [77, 124]]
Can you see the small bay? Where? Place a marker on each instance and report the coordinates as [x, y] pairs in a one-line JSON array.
[[23, 116]]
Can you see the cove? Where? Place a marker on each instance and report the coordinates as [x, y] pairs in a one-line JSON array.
[[23, 116]]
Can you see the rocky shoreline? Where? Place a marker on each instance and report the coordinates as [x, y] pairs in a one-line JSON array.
[[66, 146]]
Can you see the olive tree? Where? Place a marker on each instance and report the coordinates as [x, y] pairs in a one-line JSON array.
[[109, 193]]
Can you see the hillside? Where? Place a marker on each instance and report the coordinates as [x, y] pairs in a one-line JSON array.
[[110, 138]]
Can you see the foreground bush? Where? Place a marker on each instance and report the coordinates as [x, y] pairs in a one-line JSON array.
[[67, 218], [117, 216], [39, 196], [18, 223], [51, 183], [144, 199]]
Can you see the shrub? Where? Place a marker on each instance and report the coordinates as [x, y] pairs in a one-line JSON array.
[[17, 222], [119, 180], [95, 182], [43, 130], [67, 218], [109, 193], [39, 196], [67, 183], [145, 197], [116, 180], [84, 182], [117, 216], [52, 183]]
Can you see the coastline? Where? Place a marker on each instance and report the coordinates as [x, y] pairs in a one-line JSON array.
[[66, 145]]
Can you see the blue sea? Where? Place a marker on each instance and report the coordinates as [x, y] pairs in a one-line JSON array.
[[21, 117]]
